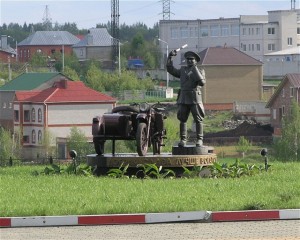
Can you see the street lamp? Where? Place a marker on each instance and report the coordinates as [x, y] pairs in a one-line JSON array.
[[16, 47], [167, 56], [119, 53]]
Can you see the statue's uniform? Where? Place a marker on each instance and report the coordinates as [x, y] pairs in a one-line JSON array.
[[190, 97]]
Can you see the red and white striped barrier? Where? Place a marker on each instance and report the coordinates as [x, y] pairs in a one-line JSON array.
[[205, 216]]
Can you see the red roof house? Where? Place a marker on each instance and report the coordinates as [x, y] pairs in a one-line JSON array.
[[281, 101], [57, 109]]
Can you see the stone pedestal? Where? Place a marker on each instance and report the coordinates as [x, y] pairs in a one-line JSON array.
[[191, 149]]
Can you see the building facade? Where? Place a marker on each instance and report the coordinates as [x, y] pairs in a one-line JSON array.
[[281, 101], [97, 45], [46, 43], [231, 76], [254, 35], [7, 54], [51, 113]]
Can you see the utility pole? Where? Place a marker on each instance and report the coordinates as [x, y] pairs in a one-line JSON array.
[[293, 4], [115, 30], [166, 9]]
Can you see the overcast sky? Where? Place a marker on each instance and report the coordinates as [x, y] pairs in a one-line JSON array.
[[87, 13]]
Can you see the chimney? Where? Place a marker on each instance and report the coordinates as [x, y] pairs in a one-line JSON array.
[[90, 39], [64, 83], [4, 41]]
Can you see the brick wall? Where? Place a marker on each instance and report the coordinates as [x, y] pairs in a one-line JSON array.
[[226, 84]]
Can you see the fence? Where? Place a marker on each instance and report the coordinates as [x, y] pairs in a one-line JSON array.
[[38, 161], [137, 94]]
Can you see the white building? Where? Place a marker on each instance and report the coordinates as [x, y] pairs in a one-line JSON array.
[[255, 35]]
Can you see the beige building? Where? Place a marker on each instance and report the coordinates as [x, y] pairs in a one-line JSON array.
[[253, 35], [231, 76]]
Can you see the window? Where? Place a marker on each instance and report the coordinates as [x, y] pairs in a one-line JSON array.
[[271, 47], [244, 47], [214, 30], [4, 105], [174, 32], [204, 31], [292, 92], [224, 30], [235, 30], [81, 52], [40, 137], [298, 30], [274, 114], [184, 32], [26, 116], [33, 136], [33, 115], [283, 110], [290, 41], [40, 115], [26, 139], [282, 93], [193, 32], [271, 31], [257, 47], [16, 115], [244, 31], [257, 31]]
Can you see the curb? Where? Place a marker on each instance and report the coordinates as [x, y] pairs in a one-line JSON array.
[[204, 216]]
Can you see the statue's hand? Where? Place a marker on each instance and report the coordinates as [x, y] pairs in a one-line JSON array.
[[172, 53]]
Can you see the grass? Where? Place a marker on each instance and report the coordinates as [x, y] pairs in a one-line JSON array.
[[22, 194]]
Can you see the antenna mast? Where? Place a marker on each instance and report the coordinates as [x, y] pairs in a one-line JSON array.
[[47, 20]]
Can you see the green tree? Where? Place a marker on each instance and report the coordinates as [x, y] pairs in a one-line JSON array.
[[38, 60], [48, 143], [9, 145], [93, 78], [243, 146], [71, 73], [78, 141]]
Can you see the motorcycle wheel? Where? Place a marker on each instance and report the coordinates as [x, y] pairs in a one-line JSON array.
[[141, 139], [99, 146], [156, 145]]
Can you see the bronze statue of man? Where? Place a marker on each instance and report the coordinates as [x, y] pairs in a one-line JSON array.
[[190, 97]]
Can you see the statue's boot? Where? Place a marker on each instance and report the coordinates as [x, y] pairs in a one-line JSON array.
[[183, 134], [199, 134]]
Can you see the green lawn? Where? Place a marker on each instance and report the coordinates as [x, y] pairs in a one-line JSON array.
[[22, 194]]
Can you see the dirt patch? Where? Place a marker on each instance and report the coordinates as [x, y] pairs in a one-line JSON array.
[[244, 129]]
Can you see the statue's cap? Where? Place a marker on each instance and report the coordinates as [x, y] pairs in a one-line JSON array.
[[191, 54]]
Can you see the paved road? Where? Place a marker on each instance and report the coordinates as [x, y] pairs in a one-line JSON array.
[[272, 230]]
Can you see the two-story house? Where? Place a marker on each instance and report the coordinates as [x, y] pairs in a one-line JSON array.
[[96, 45], [46, 43], [56, 110], [280, 102]]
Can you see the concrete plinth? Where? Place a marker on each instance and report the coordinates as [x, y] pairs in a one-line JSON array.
[[165, 160]]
